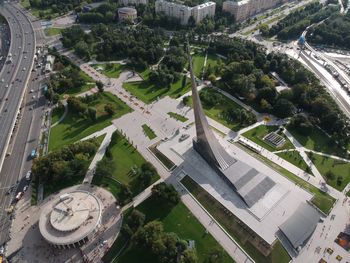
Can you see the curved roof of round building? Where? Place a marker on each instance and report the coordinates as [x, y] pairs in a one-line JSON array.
[[70, 218], [127, 10]]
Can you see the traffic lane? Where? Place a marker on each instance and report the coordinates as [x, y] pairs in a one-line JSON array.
[[12, 169]]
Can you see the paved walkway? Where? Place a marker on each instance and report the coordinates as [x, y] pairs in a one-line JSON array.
[[64, 103], [100, 152], [301, 149]]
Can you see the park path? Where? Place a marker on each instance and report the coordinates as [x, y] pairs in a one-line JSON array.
[[65, 105], [108, 131], [301, 149]]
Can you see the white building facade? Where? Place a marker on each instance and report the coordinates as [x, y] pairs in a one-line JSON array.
[[183, 12], [133, 2], [245, 9]]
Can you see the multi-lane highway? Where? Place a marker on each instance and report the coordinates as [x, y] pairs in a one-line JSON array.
[[13, 83], [14, 75]]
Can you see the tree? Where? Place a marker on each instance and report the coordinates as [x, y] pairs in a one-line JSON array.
[[330, 175], [264, 29], [110, 109], [135, 220], [100, 86], [147, 172], [92, 113], [185, 100], [82, 50], [167, 193], [283, 108]]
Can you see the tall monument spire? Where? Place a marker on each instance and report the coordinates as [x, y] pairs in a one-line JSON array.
[[205, 143], [248, 183]]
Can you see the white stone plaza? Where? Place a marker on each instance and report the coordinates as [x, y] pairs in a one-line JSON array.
[[265, 217]]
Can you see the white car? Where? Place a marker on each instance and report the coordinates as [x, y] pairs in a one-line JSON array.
[[25, 188], [29, 173], [24, 69]]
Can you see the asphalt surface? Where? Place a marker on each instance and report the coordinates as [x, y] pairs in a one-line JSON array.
[[27, 130], [14, 74]]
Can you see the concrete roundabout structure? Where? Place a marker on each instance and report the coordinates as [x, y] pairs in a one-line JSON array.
[[69, 220], [76, 224]]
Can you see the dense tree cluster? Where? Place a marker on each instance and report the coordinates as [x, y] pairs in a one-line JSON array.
[[141, 45], [296, 22], [167, 247], [170, 68], [67, 162], [57, 6], [166, 193], [105, 13], [247, 74], [334, 31], [66, 76]]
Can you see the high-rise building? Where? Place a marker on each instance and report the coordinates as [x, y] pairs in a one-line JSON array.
[[244, 9], [183, 12]]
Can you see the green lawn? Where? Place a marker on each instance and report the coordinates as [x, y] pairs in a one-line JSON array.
[[111, 70], [177, 116], [233, 225], [178, 220], [258, 133], [318, 141], [74, 127], [339, 169], [149, 132], [69, 181], [216, 112], [320, 199], [57, 114], [294, 158], [212, 60], [53, 31], [125, 158], [198, 63], [148, 92], [73, 91]]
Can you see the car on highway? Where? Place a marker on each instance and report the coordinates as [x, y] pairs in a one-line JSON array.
[[28, 175], [33, 153], [19, 196], [24, 69]]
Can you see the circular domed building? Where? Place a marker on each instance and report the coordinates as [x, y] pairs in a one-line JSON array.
[[127, 14], [71, 219]]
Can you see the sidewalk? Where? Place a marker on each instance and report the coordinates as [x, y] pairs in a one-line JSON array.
[[99, 154], [306, 158]]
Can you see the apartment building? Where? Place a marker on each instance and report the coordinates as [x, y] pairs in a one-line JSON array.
[[245, 9], [183, 12], [133, 2]]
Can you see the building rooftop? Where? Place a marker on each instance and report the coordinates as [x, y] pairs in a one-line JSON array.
[[70, 218], [299, 226]]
